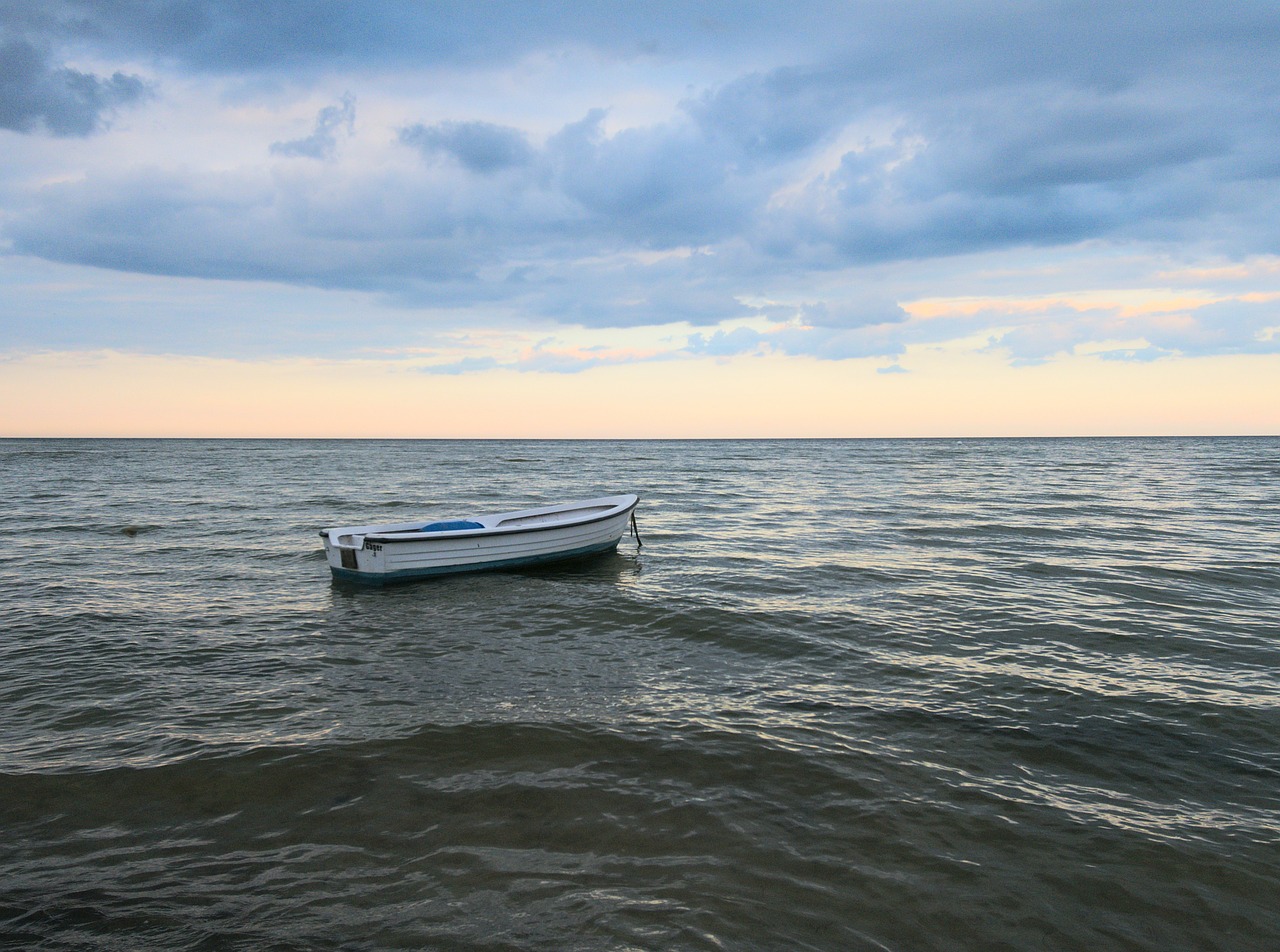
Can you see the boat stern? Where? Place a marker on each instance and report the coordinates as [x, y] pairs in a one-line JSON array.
[[350, 556]]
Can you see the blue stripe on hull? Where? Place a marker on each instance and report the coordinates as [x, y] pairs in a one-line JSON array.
[[409, 575]]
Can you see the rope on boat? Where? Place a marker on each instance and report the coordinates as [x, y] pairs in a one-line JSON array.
[[634, 531]]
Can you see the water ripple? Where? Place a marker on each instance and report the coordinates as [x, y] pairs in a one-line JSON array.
[[848, 695]]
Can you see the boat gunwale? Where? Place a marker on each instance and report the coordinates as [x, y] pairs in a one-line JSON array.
[[416, 537]]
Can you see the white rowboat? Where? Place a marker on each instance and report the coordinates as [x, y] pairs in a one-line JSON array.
[[410, 550]]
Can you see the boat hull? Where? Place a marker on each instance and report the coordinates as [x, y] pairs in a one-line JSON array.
[[394, 576], [381, 555]]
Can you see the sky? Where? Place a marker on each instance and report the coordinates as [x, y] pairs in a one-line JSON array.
[[669, 219]]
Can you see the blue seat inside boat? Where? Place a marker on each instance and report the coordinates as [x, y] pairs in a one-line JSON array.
[[450, 526]]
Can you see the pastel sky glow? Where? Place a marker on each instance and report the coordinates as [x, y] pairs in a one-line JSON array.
[[675, 218]]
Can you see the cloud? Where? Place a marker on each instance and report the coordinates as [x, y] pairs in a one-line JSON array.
[[836, 344], [292, 36], [321, 229], [1226, 327], [1024, 165], [1237, 326], [322, 141], [481, 147], [629, 291], [657, 187], [411, 228], [863, 311], [780, 114], [661, 186], [727, 343], [881, 50], [464, 366], [1003, 143], [1135, 354], [36, 95], [547, 357], [822, 343], [836, 157]]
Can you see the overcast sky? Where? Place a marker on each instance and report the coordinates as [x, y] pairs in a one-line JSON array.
[[458, 197]]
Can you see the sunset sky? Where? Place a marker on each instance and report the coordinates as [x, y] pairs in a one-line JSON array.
[[670, 218]]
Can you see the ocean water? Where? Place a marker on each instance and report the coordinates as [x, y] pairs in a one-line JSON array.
[[848, 695]]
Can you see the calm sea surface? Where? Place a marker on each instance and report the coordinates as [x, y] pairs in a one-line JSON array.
[[849, 695]]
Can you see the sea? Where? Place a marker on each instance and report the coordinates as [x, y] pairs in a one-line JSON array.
[[946, 694]]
